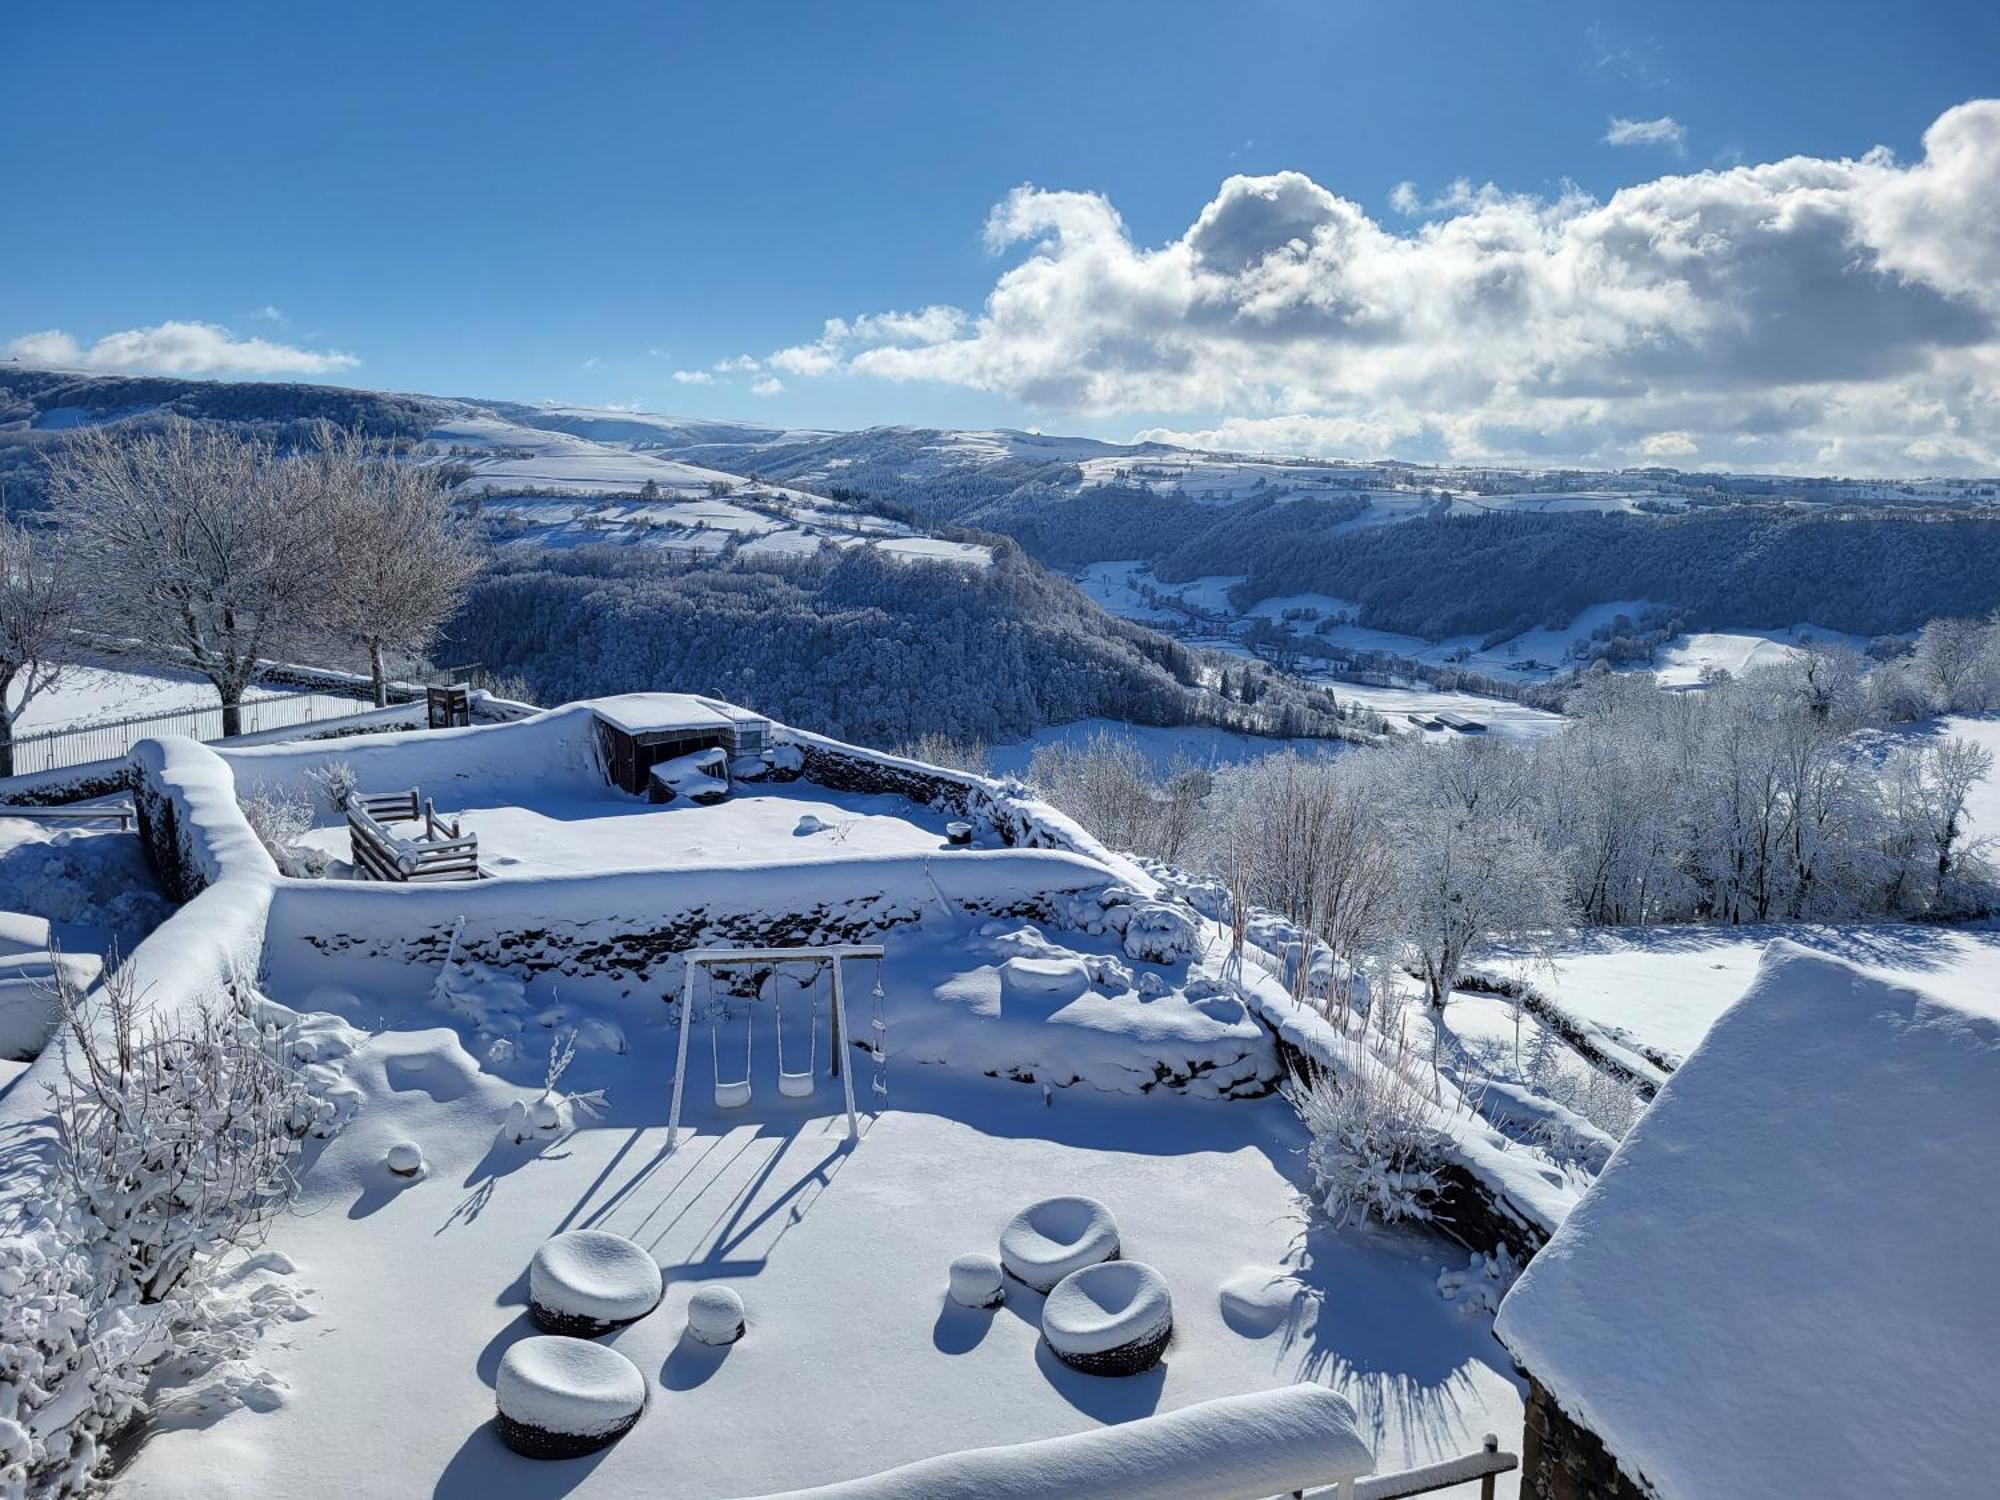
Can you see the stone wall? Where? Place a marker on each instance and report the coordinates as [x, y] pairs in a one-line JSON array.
[[1561, 1460]]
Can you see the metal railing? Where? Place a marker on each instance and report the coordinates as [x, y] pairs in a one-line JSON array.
[[77, 745], [120, 813]]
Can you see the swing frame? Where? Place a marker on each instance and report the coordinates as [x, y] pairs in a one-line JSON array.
[[696, 959]]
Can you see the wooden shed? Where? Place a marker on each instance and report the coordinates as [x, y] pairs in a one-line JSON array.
[[640, 730]]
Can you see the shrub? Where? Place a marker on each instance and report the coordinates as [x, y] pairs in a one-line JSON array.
[[1375, 1147]]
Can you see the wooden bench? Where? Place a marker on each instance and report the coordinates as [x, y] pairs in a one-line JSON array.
[[442, 851]]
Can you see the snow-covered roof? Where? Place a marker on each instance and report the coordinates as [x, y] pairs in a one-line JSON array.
[[657, 713], [1766, 1292]]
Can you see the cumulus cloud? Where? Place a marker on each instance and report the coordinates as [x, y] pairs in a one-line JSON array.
[[694, 377], [1665, 131], [176, 349], [1835, 314], [770, 385]]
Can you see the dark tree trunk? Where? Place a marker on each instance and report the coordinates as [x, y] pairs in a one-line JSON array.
[[377, 674]]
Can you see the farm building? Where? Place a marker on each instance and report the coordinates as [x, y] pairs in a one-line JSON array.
[[1764, 1293], [641, 730]]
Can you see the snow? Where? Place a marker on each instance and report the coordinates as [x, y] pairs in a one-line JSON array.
[[1682, 661], [1983, 807], [1258, 1301], [975, 1280], [1046, 1241], [1765, 1292], [1106, 1306], [1232, 1448], [716, 1316], [569, 1386], [825, 1241], [1657, 990], [591, 1273], [1503, 718]]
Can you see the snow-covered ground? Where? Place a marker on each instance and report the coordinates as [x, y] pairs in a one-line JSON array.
[[689, 509], [100, 692], [1503, 718], [854, 1361], [1682, 661], [1663, 987], [1983, 808], [562, 832]]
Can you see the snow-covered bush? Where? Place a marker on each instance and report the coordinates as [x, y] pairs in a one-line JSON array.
[[175, 1138], [1375, 1148], [336, 783], [281, 820]]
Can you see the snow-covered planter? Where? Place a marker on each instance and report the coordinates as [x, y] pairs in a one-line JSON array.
[[976, 1281], [562, 1397], [715, 1316], [405, 1159], [589, 1281], [1109, 1319], [1048, 1240]]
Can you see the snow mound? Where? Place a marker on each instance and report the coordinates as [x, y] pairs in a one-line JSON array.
[[1234, 1448], [1042, 984], [1159, 933], [405, 1159], [560, 1397], [976, 1281], [589, 1280], [1048, 1240], [715, 1315], [1259, 1300], [1110, 1319]]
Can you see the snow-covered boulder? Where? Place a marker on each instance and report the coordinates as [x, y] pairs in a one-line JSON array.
[[561, 1397], [1259, 1300], [1109, 1319], [1048, 1240], [1160, 933], [976, 1281], [588, 1281], [715, 1315]]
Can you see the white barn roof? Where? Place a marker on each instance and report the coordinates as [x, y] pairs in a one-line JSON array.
[[1782, 1283]]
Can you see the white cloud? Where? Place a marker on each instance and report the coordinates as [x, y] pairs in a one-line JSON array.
[[741, 364], [1838, 314], [1665, 131], [770, 385], [176, 349], [694, 377], [1670, 445], [272, 314]]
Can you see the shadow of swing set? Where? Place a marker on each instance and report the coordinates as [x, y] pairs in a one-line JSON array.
[[752, 972]]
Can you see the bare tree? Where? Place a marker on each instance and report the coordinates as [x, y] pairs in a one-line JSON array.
[[402, 560], [202, 548], [37, 611], [1469, 882]]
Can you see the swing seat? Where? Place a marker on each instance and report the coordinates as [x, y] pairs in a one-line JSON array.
[[733, 1095], [797, 1085]]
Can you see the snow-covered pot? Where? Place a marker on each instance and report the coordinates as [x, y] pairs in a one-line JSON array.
[[976, 1281], [561, 1397], [588, 1281], [1046, 1241], [405, 1159], [1109, 1319], [715, 1315]]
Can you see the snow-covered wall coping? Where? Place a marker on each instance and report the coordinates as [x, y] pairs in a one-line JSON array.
[[1234, 1448], [1020, 817]]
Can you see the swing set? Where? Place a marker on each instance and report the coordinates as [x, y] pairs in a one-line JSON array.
[[734, 1091]]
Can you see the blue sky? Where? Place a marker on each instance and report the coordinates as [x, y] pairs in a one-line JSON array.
[[565, 203]]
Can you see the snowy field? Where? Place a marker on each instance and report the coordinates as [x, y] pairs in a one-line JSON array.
[[1663, 987], [696, 509], [1503, 719], [840, 1256], [101, 692]]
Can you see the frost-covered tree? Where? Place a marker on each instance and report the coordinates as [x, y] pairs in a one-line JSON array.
[[37, 613], [1468, 882], [201, 548], [402, 562]]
